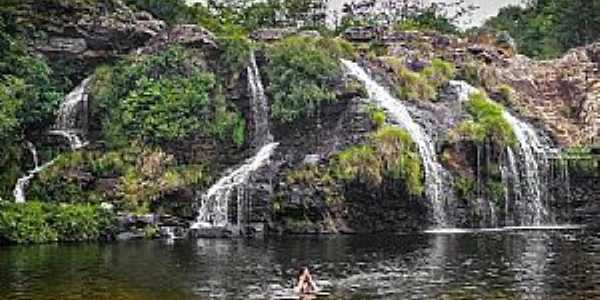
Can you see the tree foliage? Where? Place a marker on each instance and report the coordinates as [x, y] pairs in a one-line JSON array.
[[301, 73], [548, 28], [162, 98], [36, 222]]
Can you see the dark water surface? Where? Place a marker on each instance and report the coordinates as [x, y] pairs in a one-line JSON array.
[[516, 264]]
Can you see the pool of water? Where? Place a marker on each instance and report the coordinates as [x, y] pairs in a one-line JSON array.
[[506, 264]]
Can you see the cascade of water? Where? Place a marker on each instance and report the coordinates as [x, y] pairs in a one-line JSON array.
[[72, 136], [522, 172], [66, 126], [23, 182], [71, 116], [260, 105], [34, 154], [433, 170], [533, 163], [214, 204]]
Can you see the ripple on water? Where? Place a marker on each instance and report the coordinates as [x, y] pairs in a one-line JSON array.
[[508, 264]]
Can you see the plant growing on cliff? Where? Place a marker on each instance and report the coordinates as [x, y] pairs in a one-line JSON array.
[[162, 98], [301, 73], [488, 123], [390, 154], [419, 86]]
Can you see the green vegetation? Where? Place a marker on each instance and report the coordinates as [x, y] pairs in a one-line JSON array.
[[142, 175], [378, 117], [301, 74], [28, 99], [408, 17], [419, 86], [160, 99], [35, 222], [464, 187], [507, 94], [391, 154], [548, 28], [488, 123], [317, 178], [430, 18]]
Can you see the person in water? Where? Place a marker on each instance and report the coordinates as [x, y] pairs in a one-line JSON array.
[[304, 282]]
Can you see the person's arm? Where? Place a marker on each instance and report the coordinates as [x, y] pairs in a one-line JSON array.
[[298, 288], [313, 285]]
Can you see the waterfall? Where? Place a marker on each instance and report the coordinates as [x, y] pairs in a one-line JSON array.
[[260, 105], [23, 182], [533, 164], [72, 116], [214, 204], [34, 154], [70, 121], [433, 170], [523, 172], [512, 185]]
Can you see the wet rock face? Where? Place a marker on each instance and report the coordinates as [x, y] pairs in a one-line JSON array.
[[77, 36]]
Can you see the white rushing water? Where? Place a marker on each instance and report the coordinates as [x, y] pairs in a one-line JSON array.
[[524, 171], [73, 104], [71, 116], [433, 170], [214, 205], [23, 182], [71, 110], [533, 164], [260, 105]]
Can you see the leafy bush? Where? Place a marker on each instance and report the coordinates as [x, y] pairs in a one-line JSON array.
[[301, 72], [439, 72], [360, 162], [390, 154], [378, 117], [464, 187], [419, 86], [35, 222], [488, 122], [409, 85], [235, 52], [27, 91], [161, 98]]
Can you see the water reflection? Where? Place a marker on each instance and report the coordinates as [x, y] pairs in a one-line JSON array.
[[474, 265]]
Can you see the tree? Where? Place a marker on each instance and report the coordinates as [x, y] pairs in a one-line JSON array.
[[548, 28]]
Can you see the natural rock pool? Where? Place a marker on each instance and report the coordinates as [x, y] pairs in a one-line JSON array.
[[493, 264]]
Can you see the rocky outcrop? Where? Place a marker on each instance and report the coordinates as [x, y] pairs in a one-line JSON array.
[[188, 35], [563, 94], [76, 36]]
